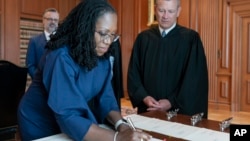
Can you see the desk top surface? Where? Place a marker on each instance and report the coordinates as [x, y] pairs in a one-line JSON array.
[[204, 123]]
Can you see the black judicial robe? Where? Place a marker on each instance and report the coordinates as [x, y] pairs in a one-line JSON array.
[[117, 80], [173, 67]]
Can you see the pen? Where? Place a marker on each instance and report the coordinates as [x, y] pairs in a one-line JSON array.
[[131, 123]]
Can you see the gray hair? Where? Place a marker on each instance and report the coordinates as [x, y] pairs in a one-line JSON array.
[[50, 10], [178, 2]]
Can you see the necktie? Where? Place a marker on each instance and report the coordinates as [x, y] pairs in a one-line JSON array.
[[163, 34]]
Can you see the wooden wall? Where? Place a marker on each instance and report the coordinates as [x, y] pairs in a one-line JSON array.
[[10, 14], [222, 24]]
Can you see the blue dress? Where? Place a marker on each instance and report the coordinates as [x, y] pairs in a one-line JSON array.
[[57, 100]]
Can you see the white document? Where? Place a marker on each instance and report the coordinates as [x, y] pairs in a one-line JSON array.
[[57, 137], [178, 130], [64, 137]]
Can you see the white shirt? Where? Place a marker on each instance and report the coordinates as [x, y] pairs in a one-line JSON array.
[[47, 34], [167, 30]]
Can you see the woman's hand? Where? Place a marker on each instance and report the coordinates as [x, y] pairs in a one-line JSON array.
[[123, 127], [133, 135]]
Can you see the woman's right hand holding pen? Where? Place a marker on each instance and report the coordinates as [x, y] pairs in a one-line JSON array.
[[128, 132], [133, 135]]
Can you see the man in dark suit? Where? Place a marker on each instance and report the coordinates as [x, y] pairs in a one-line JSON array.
[[37, 43]]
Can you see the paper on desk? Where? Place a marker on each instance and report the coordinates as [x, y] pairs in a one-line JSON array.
[[64, 137], [177, 130], [208, 135], [57, 137], [154, 139]]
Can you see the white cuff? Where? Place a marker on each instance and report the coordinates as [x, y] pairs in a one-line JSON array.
[[118, 123]]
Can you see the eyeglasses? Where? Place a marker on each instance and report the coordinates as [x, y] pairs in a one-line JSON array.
[[105, 36], [51, 19]]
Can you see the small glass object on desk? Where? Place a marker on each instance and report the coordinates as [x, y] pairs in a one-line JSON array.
[[196, 118], [225, 123], [171, 114]]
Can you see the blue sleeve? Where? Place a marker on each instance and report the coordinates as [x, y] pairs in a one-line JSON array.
[[65, 99], [107, 101]]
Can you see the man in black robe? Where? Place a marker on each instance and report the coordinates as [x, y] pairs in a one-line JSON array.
[[170, 72]]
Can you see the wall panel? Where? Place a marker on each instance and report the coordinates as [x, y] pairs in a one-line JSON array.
[[12, 11], [185, 13], [10, 30], [127, 35], [209, 26], [35, 8], [65, 6], [1, 28]]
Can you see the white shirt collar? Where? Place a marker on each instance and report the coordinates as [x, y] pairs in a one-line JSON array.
[[47, 34], [167, 30]]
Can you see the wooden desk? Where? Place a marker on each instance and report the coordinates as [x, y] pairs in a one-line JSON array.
[[209, 124], [205, 123]]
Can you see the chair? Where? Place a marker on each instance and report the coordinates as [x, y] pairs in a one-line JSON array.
[[12, 86]]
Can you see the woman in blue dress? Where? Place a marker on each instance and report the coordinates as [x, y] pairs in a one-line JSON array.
[[75, 70]]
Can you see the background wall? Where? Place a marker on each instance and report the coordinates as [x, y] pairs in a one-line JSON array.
[[13, 11]]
